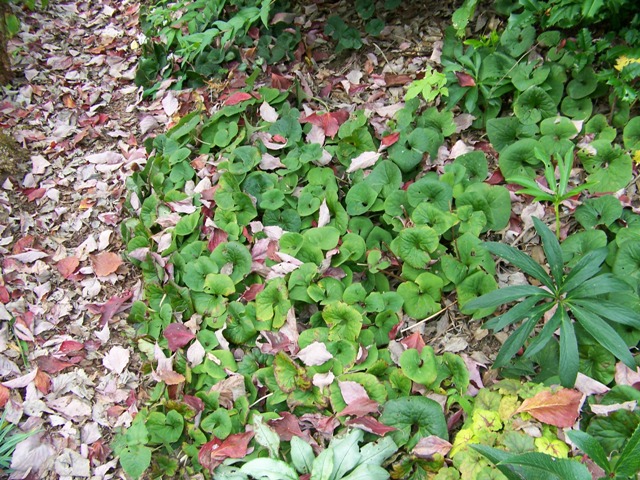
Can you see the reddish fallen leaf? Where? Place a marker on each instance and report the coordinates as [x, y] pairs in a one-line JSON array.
[[390, 139], [68, 101], [4, 294], [465, 80], [237, 97], [177, 336], [112, 306], [371, 425], [560, 408], [360, 408], [105, 263], [23, 244], [43, 382], [280, 82], [397, 80], [4, 395], [67, 266], [194, 402], [34, 193], [98, 451], [496, 178], [219, 236], [279, 139], [52, 365], [427, 447], [70, 346], [322, 423], [414, 340], [252, 292], [287, 427], [216, 451], [329, 122]]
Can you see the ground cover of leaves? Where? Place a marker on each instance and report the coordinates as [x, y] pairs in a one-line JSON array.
[[68, 362]]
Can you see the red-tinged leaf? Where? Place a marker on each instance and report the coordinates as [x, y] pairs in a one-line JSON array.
[[496, 178], [105, 263], [4, 396], [23, 244], [194, 402], [371, 425], [360, 408], [70, 346], [177, 336], [330, 122], [114, 305], [237, 97], [392, 80], [216, 451], [322, 423], [99, 452], [560, 408], [394, 330], [414, 340], [34, 193], [52, 365], [219, 236], [4, 294], [280, 82], [251, 292], [427, 447], [287, 427], [390, 139], [465, 80], [43, 382], [67, 266], [279, 139]]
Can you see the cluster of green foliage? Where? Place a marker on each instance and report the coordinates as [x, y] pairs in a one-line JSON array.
[[294, 234]]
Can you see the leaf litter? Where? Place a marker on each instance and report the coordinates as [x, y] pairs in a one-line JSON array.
[[69, 368]]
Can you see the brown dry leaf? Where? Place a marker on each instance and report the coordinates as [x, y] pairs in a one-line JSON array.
[[560, 408], [105, 263]]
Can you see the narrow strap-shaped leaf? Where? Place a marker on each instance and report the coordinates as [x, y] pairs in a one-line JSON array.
[[515, 314], [611, 311], [521, 260], [505, 295], [545, 334], [569, 357], [564, 167], [515, 341], [605, 283], [591, 447], [587, 267], [629, 462], [551, 248], [605, 335]]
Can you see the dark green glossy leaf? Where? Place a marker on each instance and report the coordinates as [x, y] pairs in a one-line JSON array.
[[506, 295], [521, 260], [552, 250], [604, 334], [569, 357]]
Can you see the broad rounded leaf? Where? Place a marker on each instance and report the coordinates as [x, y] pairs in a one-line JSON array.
[[420, 367], [344, 321], [413, 245], [419, 414], [631, 134], [533, 105], [518, 159]]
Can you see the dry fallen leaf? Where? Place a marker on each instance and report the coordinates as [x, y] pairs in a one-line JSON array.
[[105, 263], [67, 266], [560, 408]]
